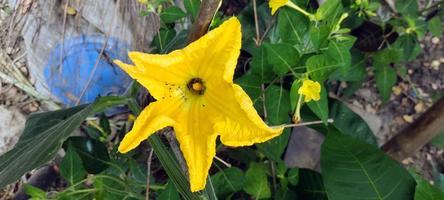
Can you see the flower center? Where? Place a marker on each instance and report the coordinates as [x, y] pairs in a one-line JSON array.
[[196, 86]]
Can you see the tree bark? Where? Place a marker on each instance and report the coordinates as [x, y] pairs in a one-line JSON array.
[[417, 134]]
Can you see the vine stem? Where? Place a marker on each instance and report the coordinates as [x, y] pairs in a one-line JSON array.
[[303, 124], [148, 174]]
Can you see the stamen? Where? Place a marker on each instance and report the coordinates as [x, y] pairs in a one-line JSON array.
[[196, 86]]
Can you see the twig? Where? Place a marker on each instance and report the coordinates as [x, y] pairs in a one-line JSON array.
[[93, 71], [207, 11], [302, 124], [263, 102], [65, 10], [256, 24], [148, 174], [222, 161]]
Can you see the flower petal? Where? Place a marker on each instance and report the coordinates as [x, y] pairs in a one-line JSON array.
[[238, 122], [162, 75], [276, 4], [197, 141], [156, 116], [215, 54]]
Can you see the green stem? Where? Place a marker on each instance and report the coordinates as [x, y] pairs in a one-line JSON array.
[[296, 7]]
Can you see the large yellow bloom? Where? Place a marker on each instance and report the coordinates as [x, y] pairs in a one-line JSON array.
[[276, 4], [196, 96], [311, 90]]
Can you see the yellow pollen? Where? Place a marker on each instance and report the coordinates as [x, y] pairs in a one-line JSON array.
[[197, 86]]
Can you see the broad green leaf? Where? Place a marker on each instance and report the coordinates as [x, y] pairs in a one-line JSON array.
[[192, 7], [311, 185], [283, 57], [293, 176], [43, 136], [260, 67], [35, 193], [93, 153], [285, 194], [277, 104], [328, 9], [357, 71], [417, 25], [387, 56], [71, 167], [435, 26], [340, 53], [162, 39], [348, 122], [319, 67], [292, 26], [407, 7], [409, 47], [256, 183], [354, 170], [109, 187], [319, 35], [278, 112], [170, 193], [385, 79], [228, 181], [106, 102], [320, 108], [138, 171], [172, 14], [426, 191]]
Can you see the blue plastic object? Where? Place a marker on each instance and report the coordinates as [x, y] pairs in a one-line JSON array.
[[67, 81]]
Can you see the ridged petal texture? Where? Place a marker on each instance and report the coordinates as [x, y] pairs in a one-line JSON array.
[[221, 109]]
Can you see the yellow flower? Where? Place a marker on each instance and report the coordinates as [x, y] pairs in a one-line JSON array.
[[276, 4], [311, 90], [196, 96]]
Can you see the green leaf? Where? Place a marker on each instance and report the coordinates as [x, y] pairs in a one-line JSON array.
[[408, 46], [282, 56], [435, 26], [438, 141], [71, 167], [292, 26], [357, 71], [170, 193], [319, 35], [162, 39], [260, 67], [109, 187], [35, 193], [256, 183], [311, 185], [192, 7], [228, 181], [426, 191], [407, 7], [277, 104], [278, 110], [93, 153], [340, 53], [320, 67], [172, 14], [293, 176], [348, 122], [320, 108], [354, 170], [328, 9], [42, 138], [385, 79], [285, 194], [106, 102]]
